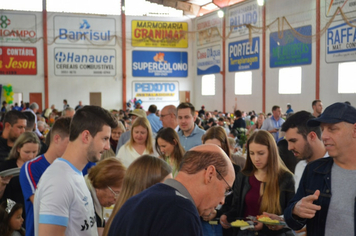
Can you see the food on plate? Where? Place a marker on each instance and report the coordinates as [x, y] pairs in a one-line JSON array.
[[266, 219], [239, 223]]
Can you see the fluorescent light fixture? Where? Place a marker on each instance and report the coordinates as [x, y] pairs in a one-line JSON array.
[[220, 14], [260, 2]]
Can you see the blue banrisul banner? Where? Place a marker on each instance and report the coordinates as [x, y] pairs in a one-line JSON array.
[[244, 56], [289, 50], [209, 60], [159, 64]]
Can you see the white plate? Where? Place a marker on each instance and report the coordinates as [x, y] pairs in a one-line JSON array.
[[13, 172]]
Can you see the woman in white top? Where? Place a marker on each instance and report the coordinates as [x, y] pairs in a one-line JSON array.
[[140, 143]]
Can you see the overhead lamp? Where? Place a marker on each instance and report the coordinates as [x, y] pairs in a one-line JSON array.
[[260, 2], [220, 13]]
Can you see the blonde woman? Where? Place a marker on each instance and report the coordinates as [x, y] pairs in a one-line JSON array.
[[25, 148], [144, 172], [140, 143]]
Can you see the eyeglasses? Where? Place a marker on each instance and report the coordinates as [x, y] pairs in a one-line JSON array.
[[116, 195], [164, 115], [229, 190]]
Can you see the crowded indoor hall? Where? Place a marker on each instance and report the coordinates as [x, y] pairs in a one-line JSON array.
[[177, 118]]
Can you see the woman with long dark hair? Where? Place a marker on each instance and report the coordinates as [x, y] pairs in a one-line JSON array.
[[169, 148], [264, 185]]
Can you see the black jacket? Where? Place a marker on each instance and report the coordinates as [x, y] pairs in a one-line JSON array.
[[4, 149], [242, 186]]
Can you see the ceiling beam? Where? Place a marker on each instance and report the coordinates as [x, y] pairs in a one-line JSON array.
[[187, 8]]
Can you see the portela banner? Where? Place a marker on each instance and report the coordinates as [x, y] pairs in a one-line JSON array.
[[159, 34]]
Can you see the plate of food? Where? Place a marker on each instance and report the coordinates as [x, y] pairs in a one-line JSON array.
[[268, 221], [239, 223], [13, 172]]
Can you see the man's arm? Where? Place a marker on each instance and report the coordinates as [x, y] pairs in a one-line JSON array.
[[301, 207], [27, 186], [53, 230], [305, 208], [32, 198], [4, 181]]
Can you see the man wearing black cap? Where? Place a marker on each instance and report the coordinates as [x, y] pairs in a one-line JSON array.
[[325, 200]]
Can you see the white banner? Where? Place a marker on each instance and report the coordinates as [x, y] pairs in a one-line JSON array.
[[209, 29], [345, 5], [16, 28], [84, 30], [340, 42], [156, 91], [84, 62], [247, 13], [209, 60]]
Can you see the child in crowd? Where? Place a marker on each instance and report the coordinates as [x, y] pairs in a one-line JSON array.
[[11, 219]]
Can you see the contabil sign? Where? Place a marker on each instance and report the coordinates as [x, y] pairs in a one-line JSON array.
[[159, 34], [18, 61]]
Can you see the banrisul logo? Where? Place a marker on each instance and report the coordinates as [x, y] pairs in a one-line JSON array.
[[84, 32], [84, 25], [4, 21]]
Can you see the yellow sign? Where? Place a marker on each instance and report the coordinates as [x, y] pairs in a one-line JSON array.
[[159, 34], [155, 95]]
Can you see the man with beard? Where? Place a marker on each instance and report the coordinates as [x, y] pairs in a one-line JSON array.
[[304, 141], [325, 200], [63, 204], [14, 125]]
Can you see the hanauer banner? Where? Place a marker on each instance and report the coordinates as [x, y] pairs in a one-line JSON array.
[[84, 62]]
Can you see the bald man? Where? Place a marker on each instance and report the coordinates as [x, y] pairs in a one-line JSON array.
[[169, 117], [175, 206]]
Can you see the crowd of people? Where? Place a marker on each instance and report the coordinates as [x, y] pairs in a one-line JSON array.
[[178, 171]]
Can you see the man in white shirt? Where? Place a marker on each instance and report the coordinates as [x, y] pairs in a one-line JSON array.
[[304, 141], [63, 204]]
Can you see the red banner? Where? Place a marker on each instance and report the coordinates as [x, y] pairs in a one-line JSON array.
[[18, 61]]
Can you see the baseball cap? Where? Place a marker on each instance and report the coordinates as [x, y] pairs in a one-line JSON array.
[[335, 113], [138, 113]]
